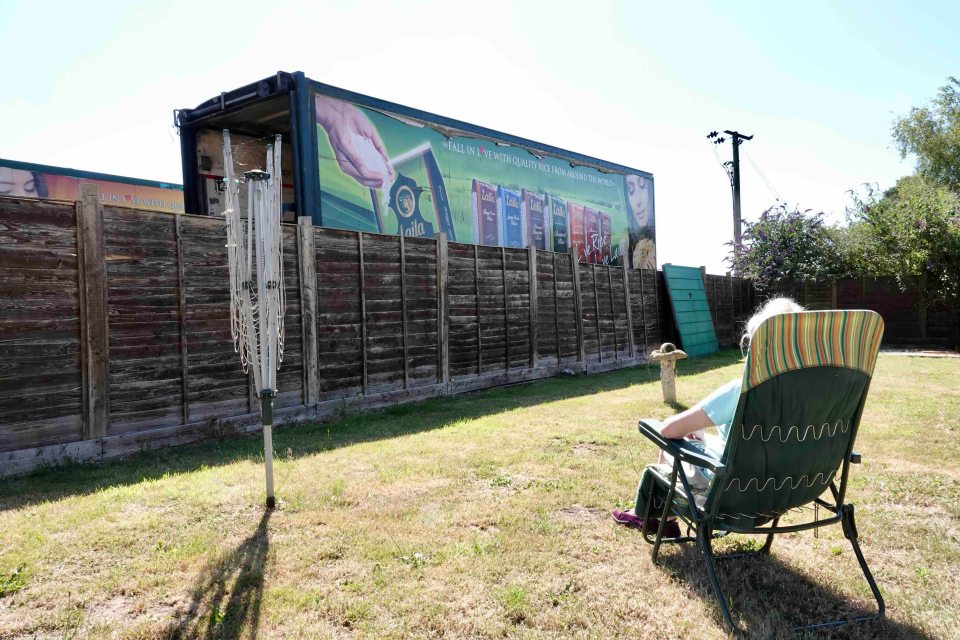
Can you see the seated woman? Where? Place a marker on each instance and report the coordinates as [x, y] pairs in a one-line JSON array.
[[716, 410]]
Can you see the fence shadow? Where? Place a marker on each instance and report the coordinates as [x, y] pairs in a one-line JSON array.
[[770, 597], [226, 597], [75, 479]]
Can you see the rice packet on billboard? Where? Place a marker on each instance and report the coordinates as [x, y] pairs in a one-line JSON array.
[[559, 224], [512, 227], [486, 214], [534, 210], [577, 236]]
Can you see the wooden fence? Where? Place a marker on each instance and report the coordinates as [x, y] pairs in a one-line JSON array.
[[906, 321], [115, 335]]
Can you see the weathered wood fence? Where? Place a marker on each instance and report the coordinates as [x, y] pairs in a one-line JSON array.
[[115, 334], [906, 321]]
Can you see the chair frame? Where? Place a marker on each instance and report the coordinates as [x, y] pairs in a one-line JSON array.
[[705, 529]]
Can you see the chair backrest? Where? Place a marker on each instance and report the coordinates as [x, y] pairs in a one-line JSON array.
[[802, 395]]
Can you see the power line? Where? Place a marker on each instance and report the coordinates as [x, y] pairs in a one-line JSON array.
[[763, 177]]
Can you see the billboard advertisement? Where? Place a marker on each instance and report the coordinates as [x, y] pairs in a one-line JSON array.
[[384, 173], [19, 182]]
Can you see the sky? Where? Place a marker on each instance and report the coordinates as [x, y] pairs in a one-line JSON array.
[[93, 86]]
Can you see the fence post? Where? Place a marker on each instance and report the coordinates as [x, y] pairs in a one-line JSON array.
[[922, 305], [532, 264], [443, 314], [556, 308], [833, 293], [613, 312], [307, 261], [182, 313], [506, 310], [363, 315], [403, 311], [596, 310], [626, 301], [578, 304], [643, 315], [93, 313], [476, 284]]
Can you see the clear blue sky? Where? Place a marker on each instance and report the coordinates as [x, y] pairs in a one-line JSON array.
[[93, 85]]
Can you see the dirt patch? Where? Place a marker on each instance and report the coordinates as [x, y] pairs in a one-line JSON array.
[[579, 513], [585, 448]]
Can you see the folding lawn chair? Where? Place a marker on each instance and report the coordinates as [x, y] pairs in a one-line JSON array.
[[791, 440]]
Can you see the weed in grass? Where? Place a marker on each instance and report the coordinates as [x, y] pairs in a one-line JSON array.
[[564, 595], [415, 560], [516, 601], [70, 624], [335, 497], [379, 576], [12, 582]]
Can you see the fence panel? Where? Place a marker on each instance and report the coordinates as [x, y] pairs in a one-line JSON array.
[[143, 275], [40, 334]]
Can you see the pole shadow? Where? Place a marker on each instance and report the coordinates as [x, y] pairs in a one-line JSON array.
[[227, 595]]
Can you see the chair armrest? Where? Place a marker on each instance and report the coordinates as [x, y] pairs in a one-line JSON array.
[[678, 448], [855, 457]]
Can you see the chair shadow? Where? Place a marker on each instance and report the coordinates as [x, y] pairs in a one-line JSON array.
[[226, 597], [305, 439], [769, 597]]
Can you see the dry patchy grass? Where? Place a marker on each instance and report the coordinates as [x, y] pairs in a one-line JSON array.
[[477, 516]]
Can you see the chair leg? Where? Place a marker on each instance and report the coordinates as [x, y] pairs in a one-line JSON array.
[[850, 531], [666, 511], [703, 538], [765, 549]]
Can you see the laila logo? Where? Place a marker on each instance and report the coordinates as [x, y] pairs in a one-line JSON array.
[[414, 229], [488, 196]]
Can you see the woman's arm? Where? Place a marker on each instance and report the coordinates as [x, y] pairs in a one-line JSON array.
[[685, 423]]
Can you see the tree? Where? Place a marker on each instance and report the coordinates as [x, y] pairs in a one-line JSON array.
[[786, 245], [932, 132], [910, 232]]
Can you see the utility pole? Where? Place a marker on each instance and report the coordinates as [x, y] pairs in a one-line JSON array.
[[733, 172]]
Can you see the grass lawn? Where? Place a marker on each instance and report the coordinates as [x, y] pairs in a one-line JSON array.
[[485, 515]]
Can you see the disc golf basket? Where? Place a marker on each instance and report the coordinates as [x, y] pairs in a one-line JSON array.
[[257, 303]]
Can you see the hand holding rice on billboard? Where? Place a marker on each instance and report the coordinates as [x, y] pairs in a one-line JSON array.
[[355, 141]]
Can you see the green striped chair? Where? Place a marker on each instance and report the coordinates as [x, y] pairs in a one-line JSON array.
[[790, 444]]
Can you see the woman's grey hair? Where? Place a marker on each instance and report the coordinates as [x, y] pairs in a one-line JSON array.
[[770, 308]]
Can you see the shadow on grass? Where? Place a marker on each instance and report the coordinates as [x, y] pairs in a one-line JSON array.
[[305, 439], [226, 598], [769, 597]]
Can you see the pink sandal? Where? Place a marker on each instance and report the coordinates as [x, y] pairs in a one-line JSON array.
[[628, 519]]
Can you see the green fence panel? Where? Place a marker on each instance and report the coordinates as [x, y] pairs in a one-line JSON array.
[[688, 300]]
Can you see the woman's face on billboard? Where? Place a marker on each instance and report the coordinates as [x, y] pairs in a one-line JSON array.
[[17, 182], [638, 196]]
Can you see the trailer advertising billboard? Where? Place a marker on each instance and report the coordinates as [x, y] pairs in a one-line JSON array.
[[385, 173], [36, 181]]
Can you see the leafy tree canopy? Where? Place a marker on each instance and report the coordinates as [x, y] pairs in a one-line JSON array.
[[911, 232], [932, 133], [786, 245]]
